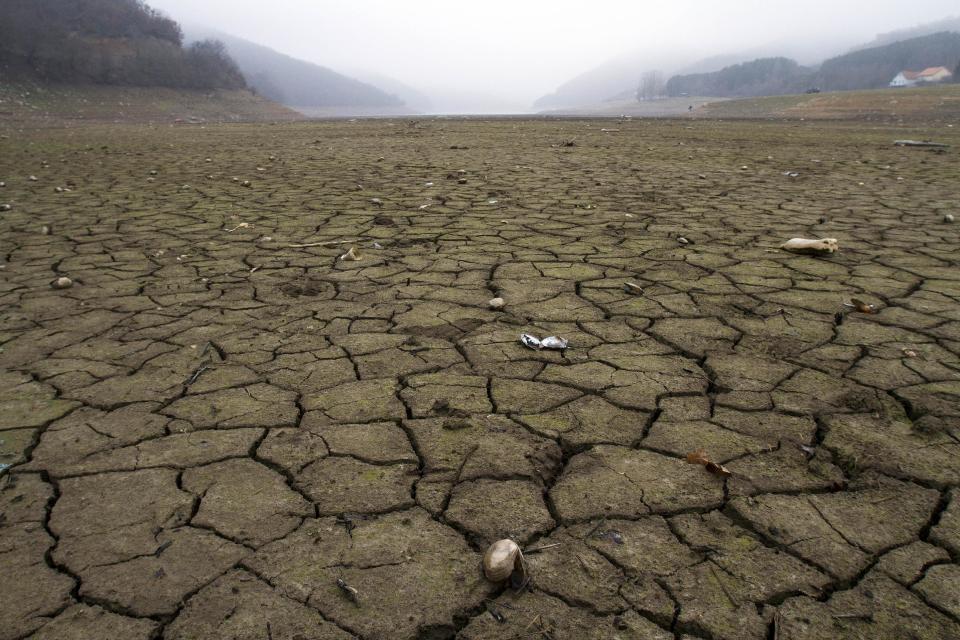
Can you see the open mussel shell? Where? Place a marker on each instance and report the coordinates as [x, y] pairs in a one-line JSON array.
[[502, 559], [554, 342], [531, 342]]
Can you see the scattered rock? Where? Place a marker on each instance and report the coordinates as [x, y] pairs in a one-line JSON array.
[[351, 255]]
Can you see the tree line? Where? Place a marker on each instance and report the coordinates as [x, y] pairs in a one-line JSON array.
[[123, 42]]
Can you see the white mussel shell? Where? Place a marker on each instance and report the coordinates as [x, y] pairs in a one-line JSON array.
[[554, 342], [529, 341], [803, 245], [502, 558]]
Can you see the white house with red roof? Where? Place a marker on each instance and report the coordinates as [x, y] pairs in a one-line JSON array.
[[927, 76]]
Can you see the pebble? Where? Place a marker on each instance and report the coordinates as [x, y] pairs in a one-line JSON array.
[[5, 207], [45, 230], [497, 303], [62, 282], [948, 217]]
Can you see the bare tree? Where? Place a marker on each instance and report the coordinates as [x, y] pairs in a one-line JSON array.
[[651, 85]]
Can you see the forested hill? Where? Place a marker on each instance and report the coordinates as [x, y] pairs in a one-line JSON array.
[[874, 68], [762, 77], [114, 42], [864, 69]]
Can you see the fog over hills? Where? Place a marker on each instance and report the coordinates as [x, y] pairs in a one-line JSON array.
[[382, 57], [619, 78], [511, 54], [300, 84]]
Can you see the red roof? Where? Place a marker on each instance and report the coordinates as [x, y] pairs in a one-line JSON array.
[[926, 73]]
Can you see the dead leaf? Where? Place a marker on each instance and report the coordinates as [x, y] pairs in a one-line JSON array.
[[700, 457], [717, 469], [862, 306]]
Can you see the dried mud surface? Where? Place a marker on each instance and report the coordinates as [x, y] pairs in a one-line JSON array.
[[212, 426]]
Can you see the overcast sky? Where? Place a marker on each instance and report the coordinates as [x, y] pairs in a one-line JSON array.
[[522, 49]]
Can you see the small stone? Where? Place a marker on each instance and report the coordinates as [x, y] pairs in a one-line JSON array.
[[948, 218], [497, 303], [5, 207], [245, 183], [62, 283], [45, 230], [32, 178]]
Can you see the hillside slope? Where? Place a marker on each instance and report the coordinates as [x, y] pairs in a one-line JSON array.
[[928, 104], [294, 82], [57, 105]]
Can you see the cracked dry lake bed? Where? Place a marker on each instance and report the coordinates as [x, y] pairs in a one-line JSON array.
[[212, 426]]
